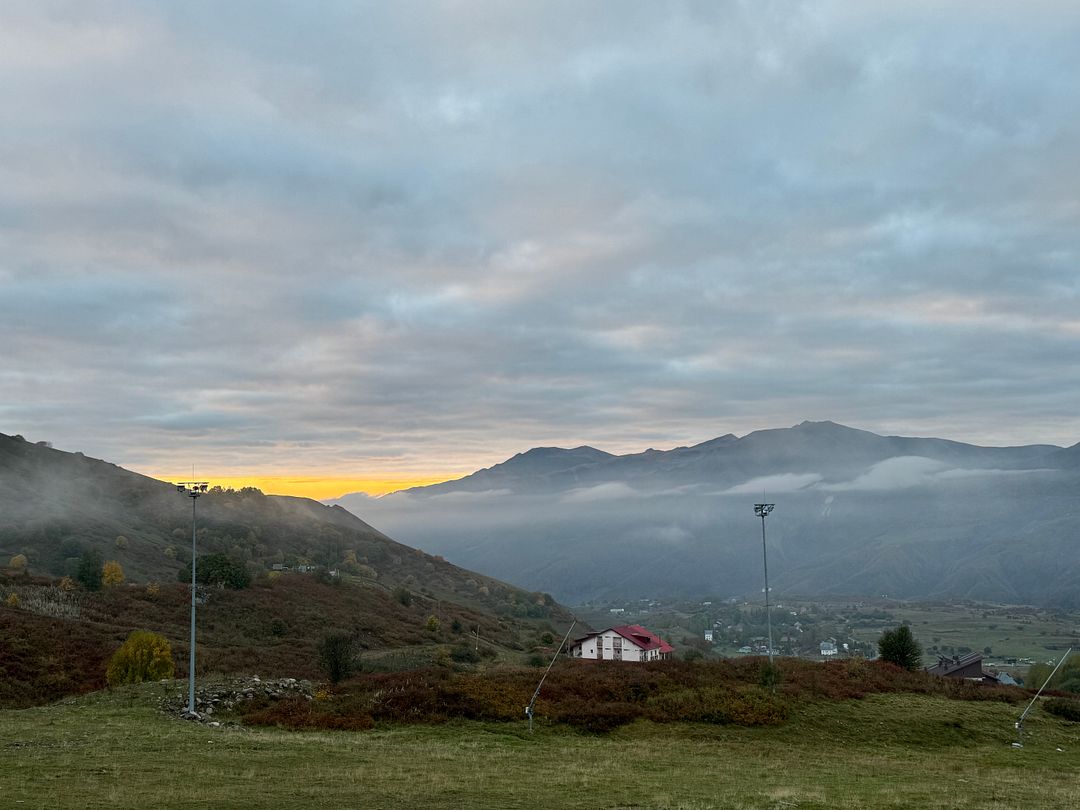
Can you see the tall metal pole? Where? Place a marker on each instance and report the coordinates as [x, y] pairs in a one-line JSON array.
[[763, 509], [193, 489], [191, 650]]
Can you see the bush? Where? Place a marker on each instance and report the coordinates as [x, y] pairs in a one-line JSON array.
[[403, 596], [145, 656], [769, 676], [336, 656], [900, 647], [464, 654], [18, 562]]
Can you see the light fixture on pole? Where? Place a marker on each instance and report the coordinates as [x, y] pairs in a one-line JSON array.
[[193, 489], [761, 510]]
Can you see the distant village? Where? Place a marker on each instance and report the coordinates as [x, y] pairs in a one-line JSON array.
[[733, 627]]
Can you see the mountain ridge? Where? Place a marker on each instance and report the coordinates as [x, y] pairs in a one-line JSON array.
[[920, 517]]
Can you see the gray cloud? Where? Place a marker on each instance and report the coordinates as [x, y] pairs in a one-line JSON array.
[[381, 238]]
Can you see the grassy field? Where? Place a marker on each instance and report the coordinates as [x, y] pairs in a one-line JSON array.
[[115, 750]]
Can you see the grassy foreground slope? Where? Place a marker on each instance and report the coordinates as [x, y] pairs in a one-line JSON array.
[[115, 750]]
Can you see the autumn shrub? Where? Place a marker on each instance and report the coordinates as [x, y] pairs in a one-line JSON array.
[[596, 716], [145, 656], [112, 574], [298, 713], [485, 698]]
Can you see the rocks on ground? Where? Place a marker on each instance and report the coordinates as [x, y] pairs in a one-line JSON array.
[[222, 697]]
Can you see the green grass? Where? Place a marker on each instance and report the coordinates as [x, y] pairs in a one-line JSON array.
[[1017, 632], [114, 750]]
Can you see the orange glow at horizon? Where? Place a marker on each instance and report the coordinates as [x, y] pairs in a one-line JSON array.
[[315, 487]]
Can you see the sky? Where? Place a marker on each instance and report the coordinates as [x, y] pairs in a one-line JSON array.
[[357, 246]]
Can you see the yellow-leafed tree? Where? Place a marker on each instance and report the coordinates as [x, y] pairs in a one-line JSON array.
[[145, 656], [112, 573]]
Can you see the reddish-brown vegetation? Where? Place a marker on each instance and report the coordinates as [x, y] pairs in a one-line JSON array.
[[272, 628], [604, 696]]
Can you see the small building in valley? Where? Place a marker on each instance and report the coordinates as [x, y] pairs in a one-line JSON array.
[[967, 666], [628, 642]]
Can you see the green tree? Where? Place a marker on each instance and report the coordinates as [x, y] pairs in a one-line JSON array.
[[336, 656], [218, 569], [89, 572], [145, 656], [900, 647]]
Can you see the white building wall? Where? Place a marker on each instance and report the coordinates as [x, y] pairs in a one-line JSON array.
[[602, 647]]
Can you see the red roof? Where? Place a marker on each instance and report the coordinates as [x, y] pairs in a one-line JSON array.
[[643, 638], [638, 635]]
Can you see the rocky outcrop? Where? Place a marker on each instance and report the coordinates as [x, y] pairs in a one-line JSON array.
[[218, 699]]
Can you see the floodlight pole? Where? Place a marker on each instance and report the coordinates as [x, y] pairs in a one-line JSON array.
[[193, 489], [761, 510]]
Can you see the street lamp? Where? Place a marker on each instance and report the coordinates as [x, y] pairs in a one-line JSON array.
[[193, 489], [761, 510]]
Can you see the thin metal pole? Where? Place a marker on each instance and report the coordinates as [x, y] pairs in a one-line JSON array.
[[536, 694], [765, 561], [1020, 722], [191, 652]]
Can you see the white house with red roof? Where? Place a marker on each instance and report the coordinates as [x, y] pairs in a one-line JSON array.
[[628, 642]]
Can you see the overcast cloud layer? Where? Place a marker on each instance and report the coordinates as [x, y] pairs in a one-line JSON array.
[[383, 237]]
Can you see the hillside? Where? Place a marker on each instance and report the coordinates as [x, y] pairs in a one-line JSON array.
[[857, 513], [55, 505], [55, 643]]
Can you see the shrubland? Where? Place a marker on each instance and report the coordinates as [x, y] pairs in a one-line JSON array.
[[602, 696]]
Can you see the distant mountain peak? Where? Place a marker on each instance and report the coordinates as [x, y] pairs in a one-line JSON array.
[[581, 450]]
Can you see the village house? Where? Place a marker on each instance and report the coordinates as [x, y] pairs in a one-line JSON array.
[[628, 642], [968, 667]]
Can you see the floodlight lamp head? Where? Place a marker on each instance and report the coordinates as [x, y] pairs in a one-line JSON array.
[[762, 509]]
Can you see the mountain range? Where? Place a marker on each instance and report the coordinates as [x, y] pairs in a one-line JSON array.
[[856, 513]]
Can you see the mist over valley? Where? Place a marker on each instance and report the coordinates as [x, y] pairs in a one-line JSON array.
[[857, 513]]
